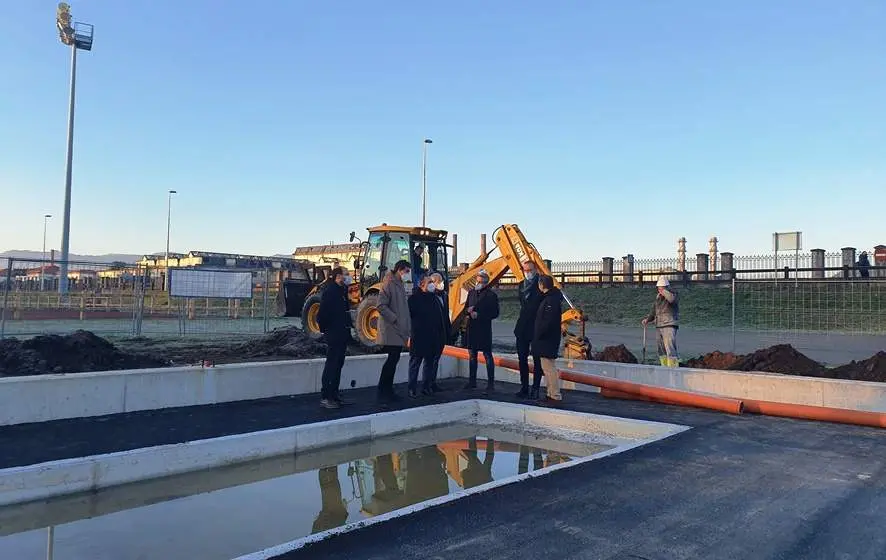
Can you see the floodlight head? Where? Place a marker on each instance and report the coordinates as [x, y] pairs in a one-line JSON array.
[[428, 141], [76, 34]]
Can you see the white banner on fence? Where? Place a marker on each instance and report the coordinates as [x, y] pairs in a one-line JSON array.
[[225, 284]]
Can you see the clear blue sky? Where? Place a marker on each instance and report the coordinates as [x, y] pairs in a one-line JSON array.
[[600, 127]]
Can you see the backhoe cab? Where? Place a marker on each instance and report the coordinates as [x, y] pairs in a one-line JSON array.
[[384, 246]]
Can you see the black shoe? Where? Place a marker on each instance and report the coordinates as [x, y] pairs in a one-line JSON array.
[[413, 394], [329, 403], [427, 392], [341, 401], [522, 393], [470, 385], [490, 388], [533, 393]]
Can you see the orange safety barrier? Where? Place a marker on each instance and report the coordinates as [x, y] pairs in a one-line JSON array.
[[685, 398]]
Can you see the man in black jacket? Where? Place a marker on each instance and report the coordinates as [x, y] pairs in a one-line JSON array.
[[334, 319], [530, 298], [482, 309], [429, 331], [548, 334]]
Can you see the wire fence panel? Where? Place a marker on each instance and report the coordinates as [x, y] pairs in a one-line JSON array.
[[846, 307], [100, 298]]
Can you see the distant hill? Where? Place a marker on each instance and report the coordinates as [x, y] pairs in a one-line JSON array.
[[35, 256]]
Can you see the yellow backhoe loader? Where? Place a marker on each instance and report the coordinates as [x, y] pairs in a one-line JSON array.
[[388, 244]]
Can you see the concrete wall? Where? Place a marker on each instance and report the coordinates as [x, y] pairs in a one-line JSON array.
[[834, 393], [53, 397]]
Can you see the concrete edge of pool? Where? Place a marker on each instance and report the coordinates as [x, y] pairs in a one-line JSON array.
[[42, 481]]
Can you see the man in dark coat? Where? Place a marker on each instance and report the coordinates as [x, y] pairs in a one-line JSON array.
[[428, 335], [442, 296], [334, 318], [482, 309], [864, 265], [546, 338], [530, 298]]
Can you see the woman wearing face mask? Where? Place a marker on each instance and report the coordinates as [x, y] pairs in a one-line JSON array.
[[393, 325], [439, 292], [428, 335], [546, 339], [482, 309]]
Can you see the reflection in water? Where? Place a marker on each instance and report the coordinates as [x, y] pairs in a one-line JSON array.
[[334, 511], [256, 508]]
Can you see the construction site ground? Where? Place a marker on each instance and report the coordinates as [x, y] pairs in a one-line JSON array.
[[84, 351], [731, 487]]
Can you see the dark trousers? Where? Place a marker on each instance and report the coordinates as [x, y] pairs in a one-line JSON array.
[[335, 359], [523, 353], [427, 373], [386, 379], [473, 363], [435, 369], [539, 372]]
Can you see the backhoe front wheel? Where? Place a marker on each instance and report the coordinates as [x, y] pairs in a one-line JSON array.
[[309, 314], [366, 323]]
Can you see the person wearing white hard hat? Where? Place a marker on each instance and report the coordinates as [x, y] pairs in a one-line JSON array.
[[665, 315]]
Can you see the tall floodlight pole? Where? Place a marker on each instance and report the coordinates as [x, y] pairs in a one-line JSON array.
[[168, 229], [43, 259], [424, 180], [78, 36]]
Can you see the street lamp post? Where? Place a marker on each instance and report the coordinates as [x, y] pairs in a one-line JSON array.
[[43, 259], [424, 180], [78, 36], [168, 229]]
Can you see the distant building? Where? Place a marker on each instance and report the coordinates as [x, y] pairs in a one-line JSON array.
[[334, 255]]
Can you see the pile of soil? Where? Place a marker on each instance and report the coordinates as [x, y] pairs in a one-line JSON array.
[[618, 354], [781, 358], [872, 369], [714, 360], [78, 351]]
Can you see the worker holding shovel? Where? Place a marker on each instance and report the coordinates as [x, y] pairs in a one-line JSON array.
[[665, 315]]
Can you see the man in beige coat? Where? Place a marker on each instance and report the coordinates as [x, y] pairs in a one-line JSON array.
[[393, 326]]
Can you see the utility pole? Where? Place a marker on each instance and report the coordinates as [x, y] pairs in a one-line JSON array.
[[78, 36], [424, 181], [168, 229]]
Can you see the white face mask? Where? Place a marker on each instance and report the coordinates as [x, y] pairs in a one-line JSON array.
[[479, 286], [347, 280], [440, 286], [431, 288], [405, 275], [530, 275]]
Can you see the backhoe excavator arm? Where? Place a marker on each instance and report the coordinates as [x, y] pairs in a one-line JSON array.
[[513, 250]]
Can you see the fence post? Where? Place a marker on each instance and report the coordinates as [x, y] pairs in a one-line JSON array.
[[7, 286], [701, 266], [848, 261], [818, 263], [265, 287], [733, 314], [628, 269], [727, 265], [607, 269]]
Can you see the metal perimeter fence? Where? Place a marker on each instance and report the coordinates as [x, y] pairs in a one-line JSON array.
[[132, 301]]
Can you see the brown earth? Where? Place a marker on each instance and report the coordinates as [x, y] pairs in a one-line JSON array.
[[785, 359], [618, 354], [84, 351]]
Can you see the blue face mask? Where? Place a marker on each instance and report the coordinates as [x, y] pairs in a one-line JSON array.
[[480, 285]]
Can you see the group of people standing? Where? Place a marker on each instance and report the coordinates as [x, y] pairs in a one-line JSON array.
[[421, 323]]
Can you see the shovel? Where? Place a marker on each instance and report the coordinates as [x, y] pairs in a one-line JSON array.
[[643, 361]]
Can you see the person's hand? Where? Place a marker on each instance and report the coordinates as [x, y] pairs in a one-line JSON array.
[[644, 322], [470, 310], [473, 315]]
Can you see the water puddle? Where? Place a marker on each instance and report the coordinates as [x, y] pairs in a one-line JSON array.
[[224, 513]]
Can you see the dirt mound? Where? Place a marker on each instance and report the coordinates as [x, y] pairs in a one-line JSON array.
[[285, 341], [618, 354], [78, 351], [781, 358], [872, 369], [714, 360]]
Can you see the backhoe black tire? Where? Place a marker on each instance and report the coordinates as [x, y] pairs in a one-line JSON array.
[[366, 322], [309, 313]]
